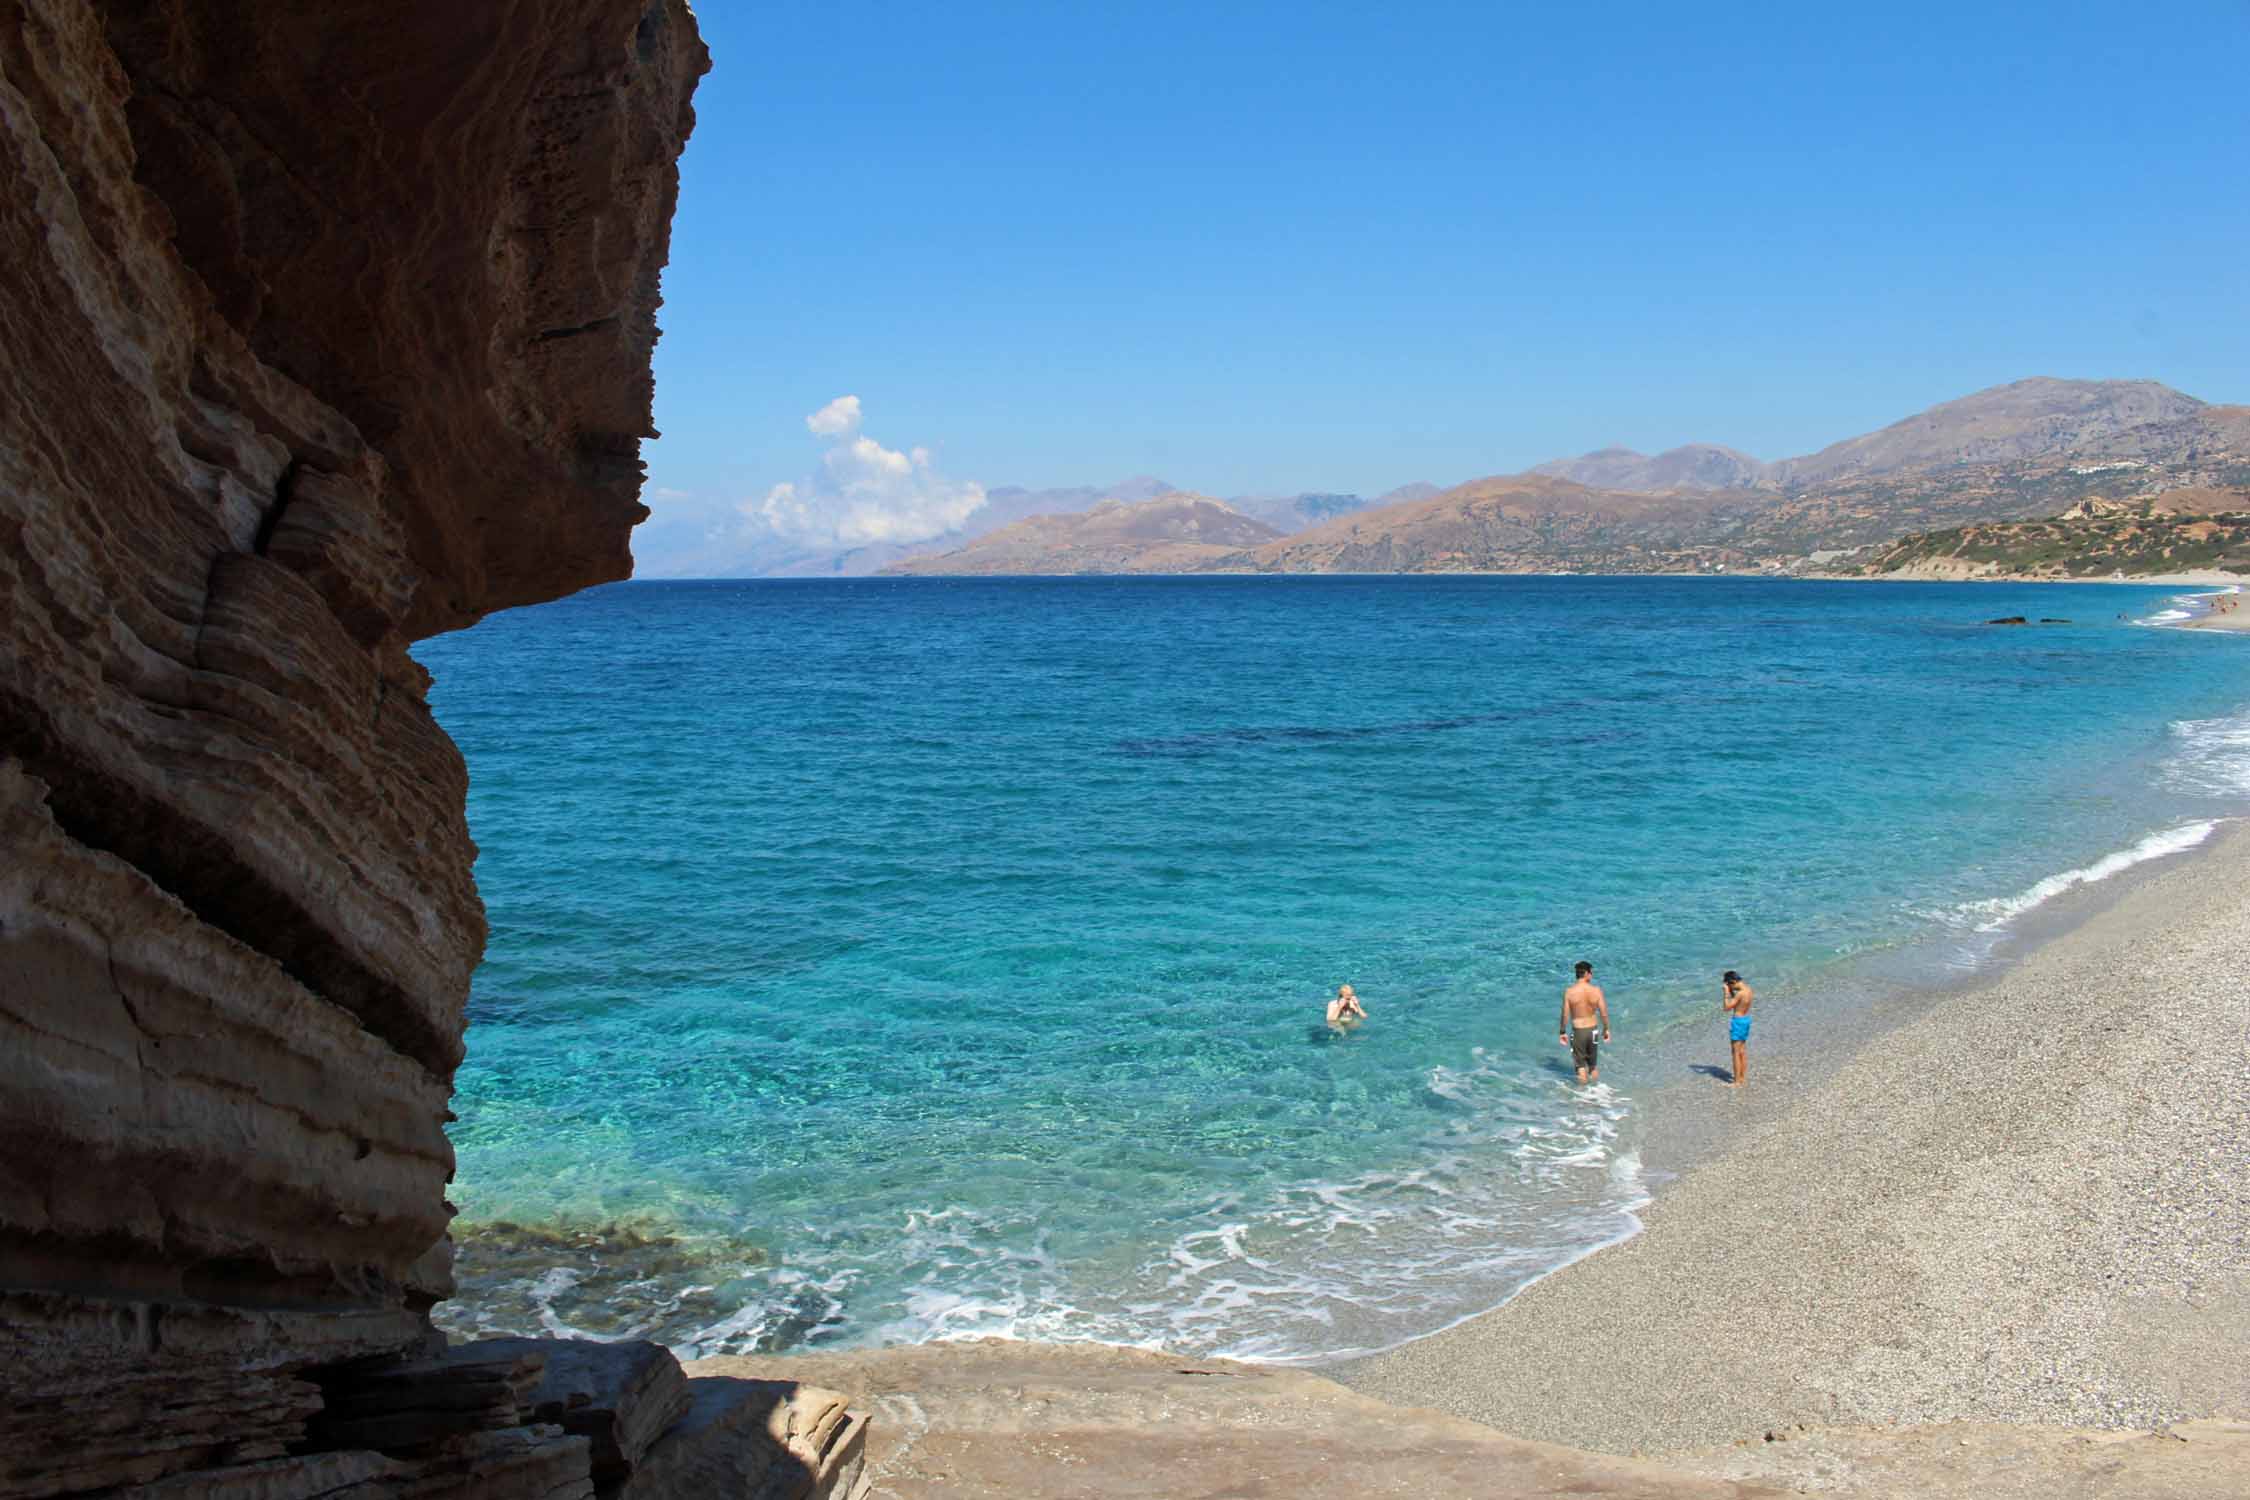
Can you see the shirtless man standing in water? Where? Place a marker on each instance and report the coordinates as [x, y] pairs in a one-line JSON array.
[[1734, 1003], [1583, 1008]]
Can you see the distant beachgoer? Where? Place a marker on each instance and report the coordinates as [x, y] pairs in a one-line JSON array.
[[1734, 1003], [1584, 1010], [1345, 1009]]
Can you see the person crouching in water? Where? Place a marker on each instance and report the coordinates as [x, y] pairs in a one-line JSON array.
[[1584, 1007], [1734, 1003], [1345, 1009]]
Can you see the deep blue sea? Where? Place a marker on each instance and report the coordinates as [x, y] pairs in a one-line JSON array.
[[880, 960]]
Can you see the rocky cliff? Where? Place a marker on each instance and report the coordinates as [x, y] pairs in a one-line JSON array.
[[322, 328]]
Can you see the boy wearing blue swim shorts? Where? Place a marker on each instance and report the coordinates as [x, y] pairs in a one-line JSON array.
[[1735, 1003]]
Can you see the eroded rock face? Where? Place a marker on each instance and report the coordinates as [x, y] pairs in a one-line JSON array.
[[322, 328], [448, 221]]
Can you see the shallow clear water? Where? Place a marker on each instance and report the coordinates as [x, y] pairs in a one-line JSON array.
[[880, 960]]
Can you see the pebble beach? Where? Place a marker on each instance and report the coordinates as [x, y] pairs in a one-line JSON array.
[[2029, 1203]]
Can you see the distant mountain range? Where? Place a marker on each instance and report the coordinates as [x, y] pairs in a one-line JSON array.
[[1288, 513], [2030, 419], [2014, 452], [1009, 505], [1176, 533], [1696, 466], [1002, 507]]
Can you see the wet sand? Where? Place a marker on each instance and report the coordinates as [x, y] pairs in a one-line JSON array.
[[2029, 1204], [2238, 619]]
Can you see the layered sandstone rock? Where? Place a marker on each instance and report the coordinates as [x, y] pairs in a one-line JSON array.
[[321, 328]]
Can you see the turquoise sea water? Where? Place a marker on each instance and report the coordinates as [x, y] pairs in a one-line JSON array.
[[883, 960]]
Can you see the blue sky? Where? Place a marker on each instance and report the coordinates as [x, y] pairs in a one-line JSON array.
[[1267, 248]]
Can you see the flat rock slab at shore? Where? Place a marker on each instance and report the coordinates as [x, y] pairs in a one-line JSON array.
[[981, 1421], [2027, 1205]]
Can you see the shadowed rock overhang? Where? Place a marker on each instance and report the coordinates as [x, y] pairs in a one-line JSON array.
[[322, 329]]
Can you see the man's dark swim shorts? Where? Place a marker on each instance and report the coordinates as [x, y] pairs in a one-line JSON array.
[[1582, 1048]]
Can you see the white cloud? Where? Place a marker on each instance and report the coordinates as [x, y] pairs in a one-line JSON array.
[[839, 418], [863, 492]]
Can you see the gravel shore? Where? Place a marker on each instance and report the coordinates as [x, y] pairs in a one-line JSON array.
[[2031, 1204]]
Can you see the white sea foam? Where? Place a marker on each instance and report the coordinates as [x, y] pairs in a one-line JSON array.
[[545, 1290], [1530, 1179], [748, 1327], [1523, 1174], [2213, 756], [1992, 915], [2186, 606], [786, 1309], [791, 1307]]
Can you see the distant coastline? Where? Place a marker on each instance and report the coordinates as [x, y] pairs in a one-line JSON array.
[[2203, 579], [2206, 578]]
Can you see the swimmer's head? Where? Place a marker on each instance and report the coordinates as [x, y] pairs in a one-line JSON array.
[[1730, 977], [1343, 990], [1584, 968]]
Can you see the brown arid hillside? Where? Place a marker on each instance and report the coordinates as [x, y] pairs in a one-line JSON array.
[[2020, 452], [2024, 422], [1176, 533], [1804, 527], [2096, 539], [1522, 523], [2030, 420]]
